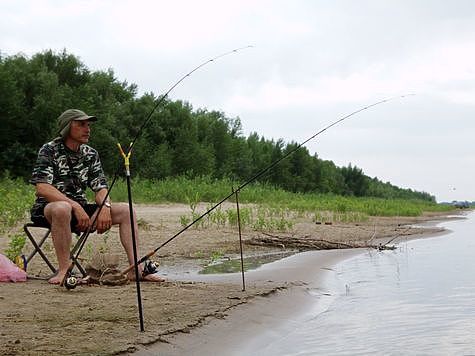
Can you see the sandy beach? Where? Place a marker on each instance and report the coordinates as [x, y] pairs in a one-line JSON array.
[[187, 311]]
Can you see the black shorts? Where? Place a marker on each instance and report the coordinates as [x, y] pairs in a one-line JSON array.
[[38, 217]]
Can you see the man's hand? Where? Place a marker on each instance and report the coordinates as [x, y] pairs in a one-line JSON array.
[[104, 220], [81, 217]]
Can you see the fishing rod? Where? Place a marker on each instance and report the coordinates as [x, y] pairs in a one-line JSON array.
[[164, 96], [70, 281], [258, 175]]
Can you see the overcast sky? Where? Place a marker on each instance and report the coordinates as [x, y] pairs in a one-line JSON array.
[[312, 63]]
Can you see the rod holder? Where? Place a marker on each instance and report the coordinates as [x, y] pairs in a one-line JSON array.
[[236, 193], [126, 158]]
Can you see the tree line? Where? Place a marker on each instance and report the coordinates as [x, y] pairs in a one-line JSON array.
[[179, 140]]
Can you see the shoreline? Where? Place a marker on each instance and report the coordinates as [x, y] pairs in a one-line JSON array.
[[247, 326]]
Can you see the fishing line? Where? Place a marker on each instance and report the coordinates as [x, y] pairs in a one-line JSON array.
[[259, 174], [164, 96]]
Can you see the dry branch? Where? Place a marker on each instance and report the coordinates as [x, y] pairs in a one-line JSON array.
[[309, 243]]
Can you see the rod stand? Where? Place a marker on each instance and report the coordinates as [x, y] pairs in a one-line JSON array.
[[126, 158], [236, 193]]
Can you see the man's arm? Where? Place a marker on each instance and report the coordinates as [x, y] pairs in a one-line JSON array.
[[104, 220], [101, 195]]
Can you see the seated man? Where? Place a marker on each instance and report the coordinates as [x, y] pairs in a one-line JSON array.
[[64, 169]]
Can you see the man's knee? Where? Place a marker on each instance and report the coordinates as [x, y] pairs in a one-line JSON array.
[[119, 212], [59, 211]]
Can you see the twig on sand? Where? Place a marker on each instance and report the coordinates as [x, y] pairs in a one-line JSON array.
[[309, 243]]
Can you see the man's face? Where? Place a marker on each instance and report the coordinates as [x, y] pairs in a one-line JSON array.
[[80, 131]]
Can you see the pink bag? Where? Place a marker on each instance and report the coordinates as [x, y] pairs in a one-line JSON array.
[[10, 272]]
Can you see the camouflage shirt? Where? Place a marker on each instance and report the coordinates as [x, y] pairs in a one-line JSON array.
[[68, 171]]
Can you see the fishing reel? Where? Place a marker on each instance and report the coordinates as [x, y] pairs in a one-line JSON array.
[[150, 267], [71, 282]]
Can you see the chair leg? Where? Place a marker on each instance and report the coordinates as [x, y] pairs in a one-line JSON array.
[[37, 246], [79, 267], [74, 251]]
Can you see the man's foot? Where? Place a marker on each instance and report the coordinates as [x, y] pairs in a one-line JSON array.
[[57, 278], [154, 277]]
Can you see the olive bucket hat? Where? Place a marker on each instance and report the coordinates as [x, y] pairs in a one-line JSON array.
[[64, 120]]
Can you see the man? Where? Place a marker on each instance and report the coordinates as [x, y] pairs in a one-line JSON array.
[[64, 169]]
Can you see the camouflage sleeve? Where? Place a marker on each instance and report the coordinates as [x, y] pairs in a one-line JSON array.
[[43, 170], [96, 178]]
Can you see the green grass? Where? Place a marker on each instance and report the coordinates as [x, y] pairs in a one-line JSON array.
[[18, 196], [184, 190], [276, 209], [258, 218], [176, 190]]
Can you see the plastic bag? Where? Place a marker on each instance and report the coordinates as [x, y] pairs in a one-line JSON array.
[[10, 272]]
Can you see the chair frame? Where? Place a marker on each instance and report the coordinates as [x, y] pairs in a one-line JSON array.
[[37, 245]]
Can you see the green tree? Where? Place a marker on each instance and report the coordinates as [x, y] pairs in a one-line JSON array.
[[173, 140], [356, 182]]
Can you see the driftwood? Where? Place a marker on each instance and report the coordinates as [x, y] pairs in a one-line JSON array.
[[309, 243]]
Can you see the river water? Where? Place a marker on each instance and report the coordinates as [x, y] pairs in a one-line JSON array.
[[416, 300]]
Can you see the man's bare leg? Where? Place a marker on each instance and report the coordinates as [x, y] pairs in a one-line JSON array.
[[121, 215], [59, 216]]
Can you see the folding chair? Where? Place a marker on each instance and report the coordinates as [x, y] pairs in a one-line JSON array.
[[38, 243]]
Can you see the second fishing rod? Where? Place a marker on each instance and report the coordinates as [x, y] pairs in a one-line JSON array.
[[257, 176]]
